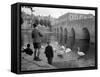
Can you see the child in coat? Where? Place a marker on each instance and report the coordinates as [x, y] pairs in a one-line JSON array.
[[49, 53]]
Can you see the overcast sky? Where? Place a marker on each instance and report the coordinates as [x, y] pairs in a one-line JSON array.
[[55, 12]]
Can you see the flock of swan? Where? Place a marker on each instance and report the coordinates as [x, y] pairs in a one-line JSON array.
[[67, 50]]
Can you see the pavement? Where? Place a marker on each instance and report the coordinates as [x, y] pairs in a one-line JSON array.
[[27, 63], [65, 60]]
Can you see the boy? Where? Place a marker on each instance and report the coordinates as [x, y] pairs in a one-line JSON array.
[[28, 50], [36, 36], [49, 53]]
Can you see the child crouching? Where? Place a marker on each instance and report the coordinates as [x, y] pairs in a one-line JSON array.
[[28, 50]]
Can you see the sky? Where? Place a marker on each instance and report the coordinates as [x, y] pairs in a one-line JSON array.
[[55, 12]]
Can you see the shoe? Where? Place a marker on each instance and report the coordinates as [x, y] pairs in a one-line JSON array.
[[37, 59]]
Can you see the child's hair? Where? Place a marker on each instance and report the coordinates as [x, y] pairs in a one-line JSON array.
[[28, 45], [34, 25], [48, 42]]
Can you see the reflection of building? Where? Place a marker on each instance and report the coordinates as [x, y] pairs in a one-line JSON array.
[[81, 23]]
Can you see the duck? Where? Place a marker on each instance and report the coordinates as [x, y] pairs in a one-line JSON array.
[[79, 52]]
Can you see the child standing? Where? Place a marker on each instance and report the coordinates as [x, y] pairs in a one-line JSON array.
[[49, 53]]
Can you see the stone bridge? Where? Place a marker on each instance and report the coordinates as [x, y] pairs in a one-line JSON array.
[[81, 28]]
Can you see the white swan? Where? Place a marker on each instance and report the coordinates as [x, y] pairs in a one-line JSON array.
[[68, 50], [62, 47], [80, 53], [42, 46]]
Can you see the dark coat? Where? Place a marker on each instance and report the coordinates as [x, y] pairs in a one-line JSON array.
[[28, 51], [36, 35], [49, 51]]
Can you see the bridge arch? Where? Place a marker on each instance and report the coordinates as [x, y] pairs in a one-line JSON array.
[[86, 34], [65, 35], [72, 33]]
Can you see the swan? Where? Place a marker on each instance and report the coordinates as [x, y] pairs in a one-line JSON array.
[[68, 50], [23, 47], [42, 46], [62, 47], [79, 52]]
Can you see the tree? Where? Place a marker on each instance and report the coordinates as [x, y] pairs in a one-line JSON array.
[[45, 22]]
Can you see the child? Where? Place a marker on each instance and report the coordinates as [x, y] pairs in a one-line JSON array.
[[49, 53], [28, 50]]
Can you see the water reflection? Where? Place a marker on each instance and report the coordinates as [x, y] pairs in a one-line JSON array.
[[84, 45], [26, 37], [70, 43]]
